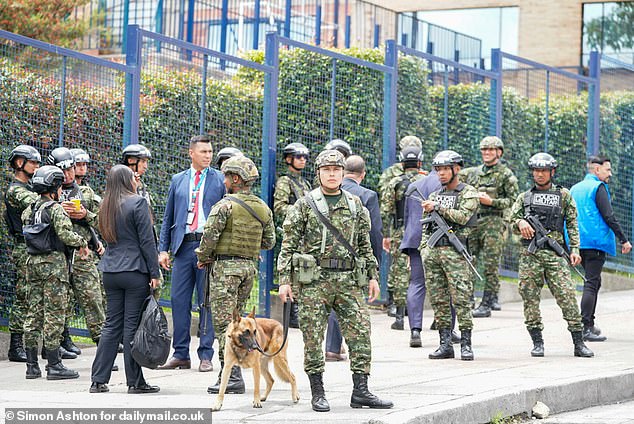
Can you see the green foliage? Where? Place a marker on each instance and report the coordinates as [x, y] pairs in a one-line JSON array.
[[615, 30]]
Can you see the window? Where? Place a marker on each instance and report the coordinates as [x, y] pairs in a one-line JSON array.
[[609, 28]]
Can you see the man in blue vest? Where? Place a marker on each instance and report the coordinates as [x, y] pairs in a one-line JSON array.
[[597, 229]]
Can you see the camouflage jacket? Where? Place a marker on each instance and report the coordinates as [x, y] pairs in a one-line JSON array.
[[20, 197], [303, 234], [289, 188], [395, 170], [393, 194], [498, 181], [88, 201]]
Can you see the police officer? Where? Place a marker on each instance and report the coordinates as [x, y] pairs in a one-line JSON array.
[[137, 158], [555, 209], [238, 227], [24, 160], [48, 233], [393, 216], [289, 188], [224, 154], [448, 277], [343, 256], [497, 190]]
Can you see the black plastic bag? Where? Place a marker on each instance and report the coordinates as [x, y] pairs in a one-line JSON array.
[[151, 343]]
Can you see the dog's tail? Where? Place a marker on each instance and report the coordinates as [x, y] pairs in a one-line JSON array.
[[281, 368]]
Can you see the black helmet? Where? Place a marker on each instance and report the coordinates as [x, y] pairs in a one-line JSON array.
[[80, 155], [226, 153], [411, 154], [446, 158], [296, 149], [47, 179], [61, 158], [542, 161], [26, 152], [135, 151], [340, 145]]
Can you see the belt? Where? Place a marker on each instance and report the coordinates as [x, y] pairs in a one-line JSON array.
[[485, 214], [230, 257], [337, 264], [193, 237]]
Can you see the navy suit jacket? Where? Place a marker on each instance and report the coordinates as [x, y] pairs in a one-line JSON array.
[[414, 211], [370, 200], [175, 217]]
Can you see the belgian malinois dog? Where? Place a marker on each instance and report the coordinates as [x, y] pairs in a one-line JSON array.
[[243, 337]]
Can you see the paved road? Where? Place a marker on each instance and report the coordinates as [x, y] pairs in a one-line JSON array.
[[620, 413]]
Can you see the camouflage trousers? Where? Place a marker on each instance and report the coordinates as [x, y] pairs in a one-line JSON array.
[[448, 280], [532, 271], [229, 288], [398, 278], [48, 290], [340, 291], [86, 288], [20, 301], [486, 243]]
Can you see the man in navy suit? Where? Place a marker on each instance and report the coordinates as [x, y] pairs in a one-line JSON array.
[[192, 193]]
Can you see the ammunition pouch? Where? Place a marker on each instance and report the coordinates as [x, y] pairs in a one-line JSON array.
[[360, 271], [304, 269]]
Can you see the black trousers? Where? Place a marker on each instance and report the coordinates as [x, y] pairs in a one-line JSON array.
[[125, 292], [592, 261]]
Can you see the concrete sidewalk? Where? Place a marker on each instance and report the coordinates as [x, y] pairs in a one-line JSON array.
[[503, 379]]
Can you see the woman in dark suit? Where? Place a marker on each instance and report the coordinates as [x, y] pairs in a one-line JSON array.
[[130, 267]]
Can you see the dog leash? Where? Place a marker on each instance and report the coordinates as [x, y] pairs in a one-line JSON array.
[[285, 321]]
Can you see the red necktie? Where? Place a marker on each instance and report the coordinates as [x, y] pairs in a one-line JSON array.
[[194, 224]]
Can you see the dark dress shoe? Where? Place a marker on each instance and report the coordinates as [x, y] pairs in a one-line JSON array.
[[205, 365], [175, 363], [335, 357], [143, 388], [98, 388], [115, 367]]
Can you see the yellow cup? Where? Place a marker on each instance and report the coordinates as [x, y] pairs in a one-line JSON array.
[[77, 203]]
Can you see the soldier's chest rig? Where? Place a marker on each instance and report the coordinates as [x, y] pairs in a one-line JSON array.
[[485, 180], [450, 199], [39, 234], [547, 206], [12, 215]]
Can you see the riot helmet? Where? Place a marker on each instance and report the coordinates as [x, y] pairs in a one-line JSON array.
[[226, 153], [80, 155], [26, 152], [135, 151], [47, 179], [542, 161], [61, 157], [340, 146], [410, 156], [295, 149], [447, 158]]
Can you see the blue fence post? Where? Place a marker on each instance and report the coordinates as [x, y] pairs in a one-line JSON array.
[[124, 25], [203, 97], [224, 25], [269, 145], [62, 105], [377, 35], [191, 9], [346, 40], [594, 105], [318, 25], [445, 114], [256, 25], [495, 102], [403, 39], [159, 23], [132, 87], [287, 19], [456, 70]]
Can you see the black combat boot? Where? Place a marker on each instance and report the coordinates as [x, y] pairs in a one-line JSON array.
[[414, 340], [445, 350], [16, 348], [294, 321], [63, 352], [235, 384], [318, 401], [56, 370], [361, 396], [466, 354], [484, 310], [455, 338], [495, 304], [580, 347], [32, 366], [538, 342], [67, 343], [391, 306], [398, 322], [432, 327], [590, 336]]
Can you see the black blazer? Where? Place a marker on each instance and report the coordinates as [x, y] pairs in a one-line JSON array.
[[370, 200], [135, 249]]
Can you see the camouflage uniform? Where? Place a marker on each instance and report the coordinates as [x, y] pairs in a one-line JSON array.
[[337, 289], [546, 264], [289, 188], [48, 282], [448, 277], [93, 201]]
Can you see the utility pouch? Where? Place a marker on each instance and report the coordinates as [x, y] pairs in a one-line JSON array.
[[304, 268], [37, 237], [360, 271]]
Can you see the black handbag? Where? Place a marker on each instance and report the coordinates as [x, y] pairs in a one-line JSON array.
[[151, 344]]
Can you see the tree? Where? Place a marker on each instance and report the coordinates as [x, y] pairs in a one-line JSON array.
[[615, 30]]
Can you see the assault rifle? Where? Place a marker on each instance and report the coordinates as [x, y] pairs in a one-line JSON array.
[[205, 306], [543, 240], [443, 229]]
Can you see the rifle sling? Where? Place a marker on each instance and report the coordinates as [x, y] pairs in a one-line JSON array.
[[333, 230], [248, 208]]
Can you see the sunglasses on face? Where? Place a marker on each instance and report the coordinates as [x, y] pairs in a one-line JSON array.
[[301, 157]]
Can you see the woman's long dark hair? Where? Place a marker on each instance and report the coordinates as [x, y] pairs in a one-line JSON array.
[[118, 186]]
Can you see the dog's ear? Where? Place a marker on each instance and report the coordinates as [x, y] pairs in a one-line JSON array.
[[252, 313], [236, 315]]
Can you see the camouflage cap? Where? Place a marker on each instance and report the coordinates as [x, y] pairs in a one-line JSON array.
[[410, 140], [330, 158], [491, 142], [241, 166]]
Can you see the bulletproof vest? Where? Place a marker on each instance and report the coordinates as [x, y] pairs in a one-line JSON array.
[[242, 235], [322, 206], [547, 207], [399, 214], [12, 215], [71, 192], [451, 200], [39, 233]]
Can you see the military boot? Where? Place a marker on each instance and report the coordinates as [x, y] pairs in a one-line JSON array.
[[414, 340], [361, 396], [32, 366], [391, 307], [16, 349], [294, 321], [398, 322], [67, 343], [484, 310], [56, 370], [235, 384], [318, 401], [445, 350], [63, 352], [580, 347], [495, 304], [466, 354], [538, 342]]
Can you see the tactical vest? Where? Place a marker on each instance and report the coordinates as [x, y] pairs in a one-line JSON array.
[[399, 214], [547, 207], [322, 206], [39, 234], [12, 215], [242, 235], [451, 200], [297, 191], [489, 188]]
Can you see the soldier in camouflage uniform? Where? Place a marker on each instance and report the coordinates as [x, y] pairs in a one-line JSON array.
[[393, 216], [85, 280], [238, 227], [497, 188], [289, 188], [327, 275], [49, 234], [391, 172], [448, 278], [555, 209], [25, 160]]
